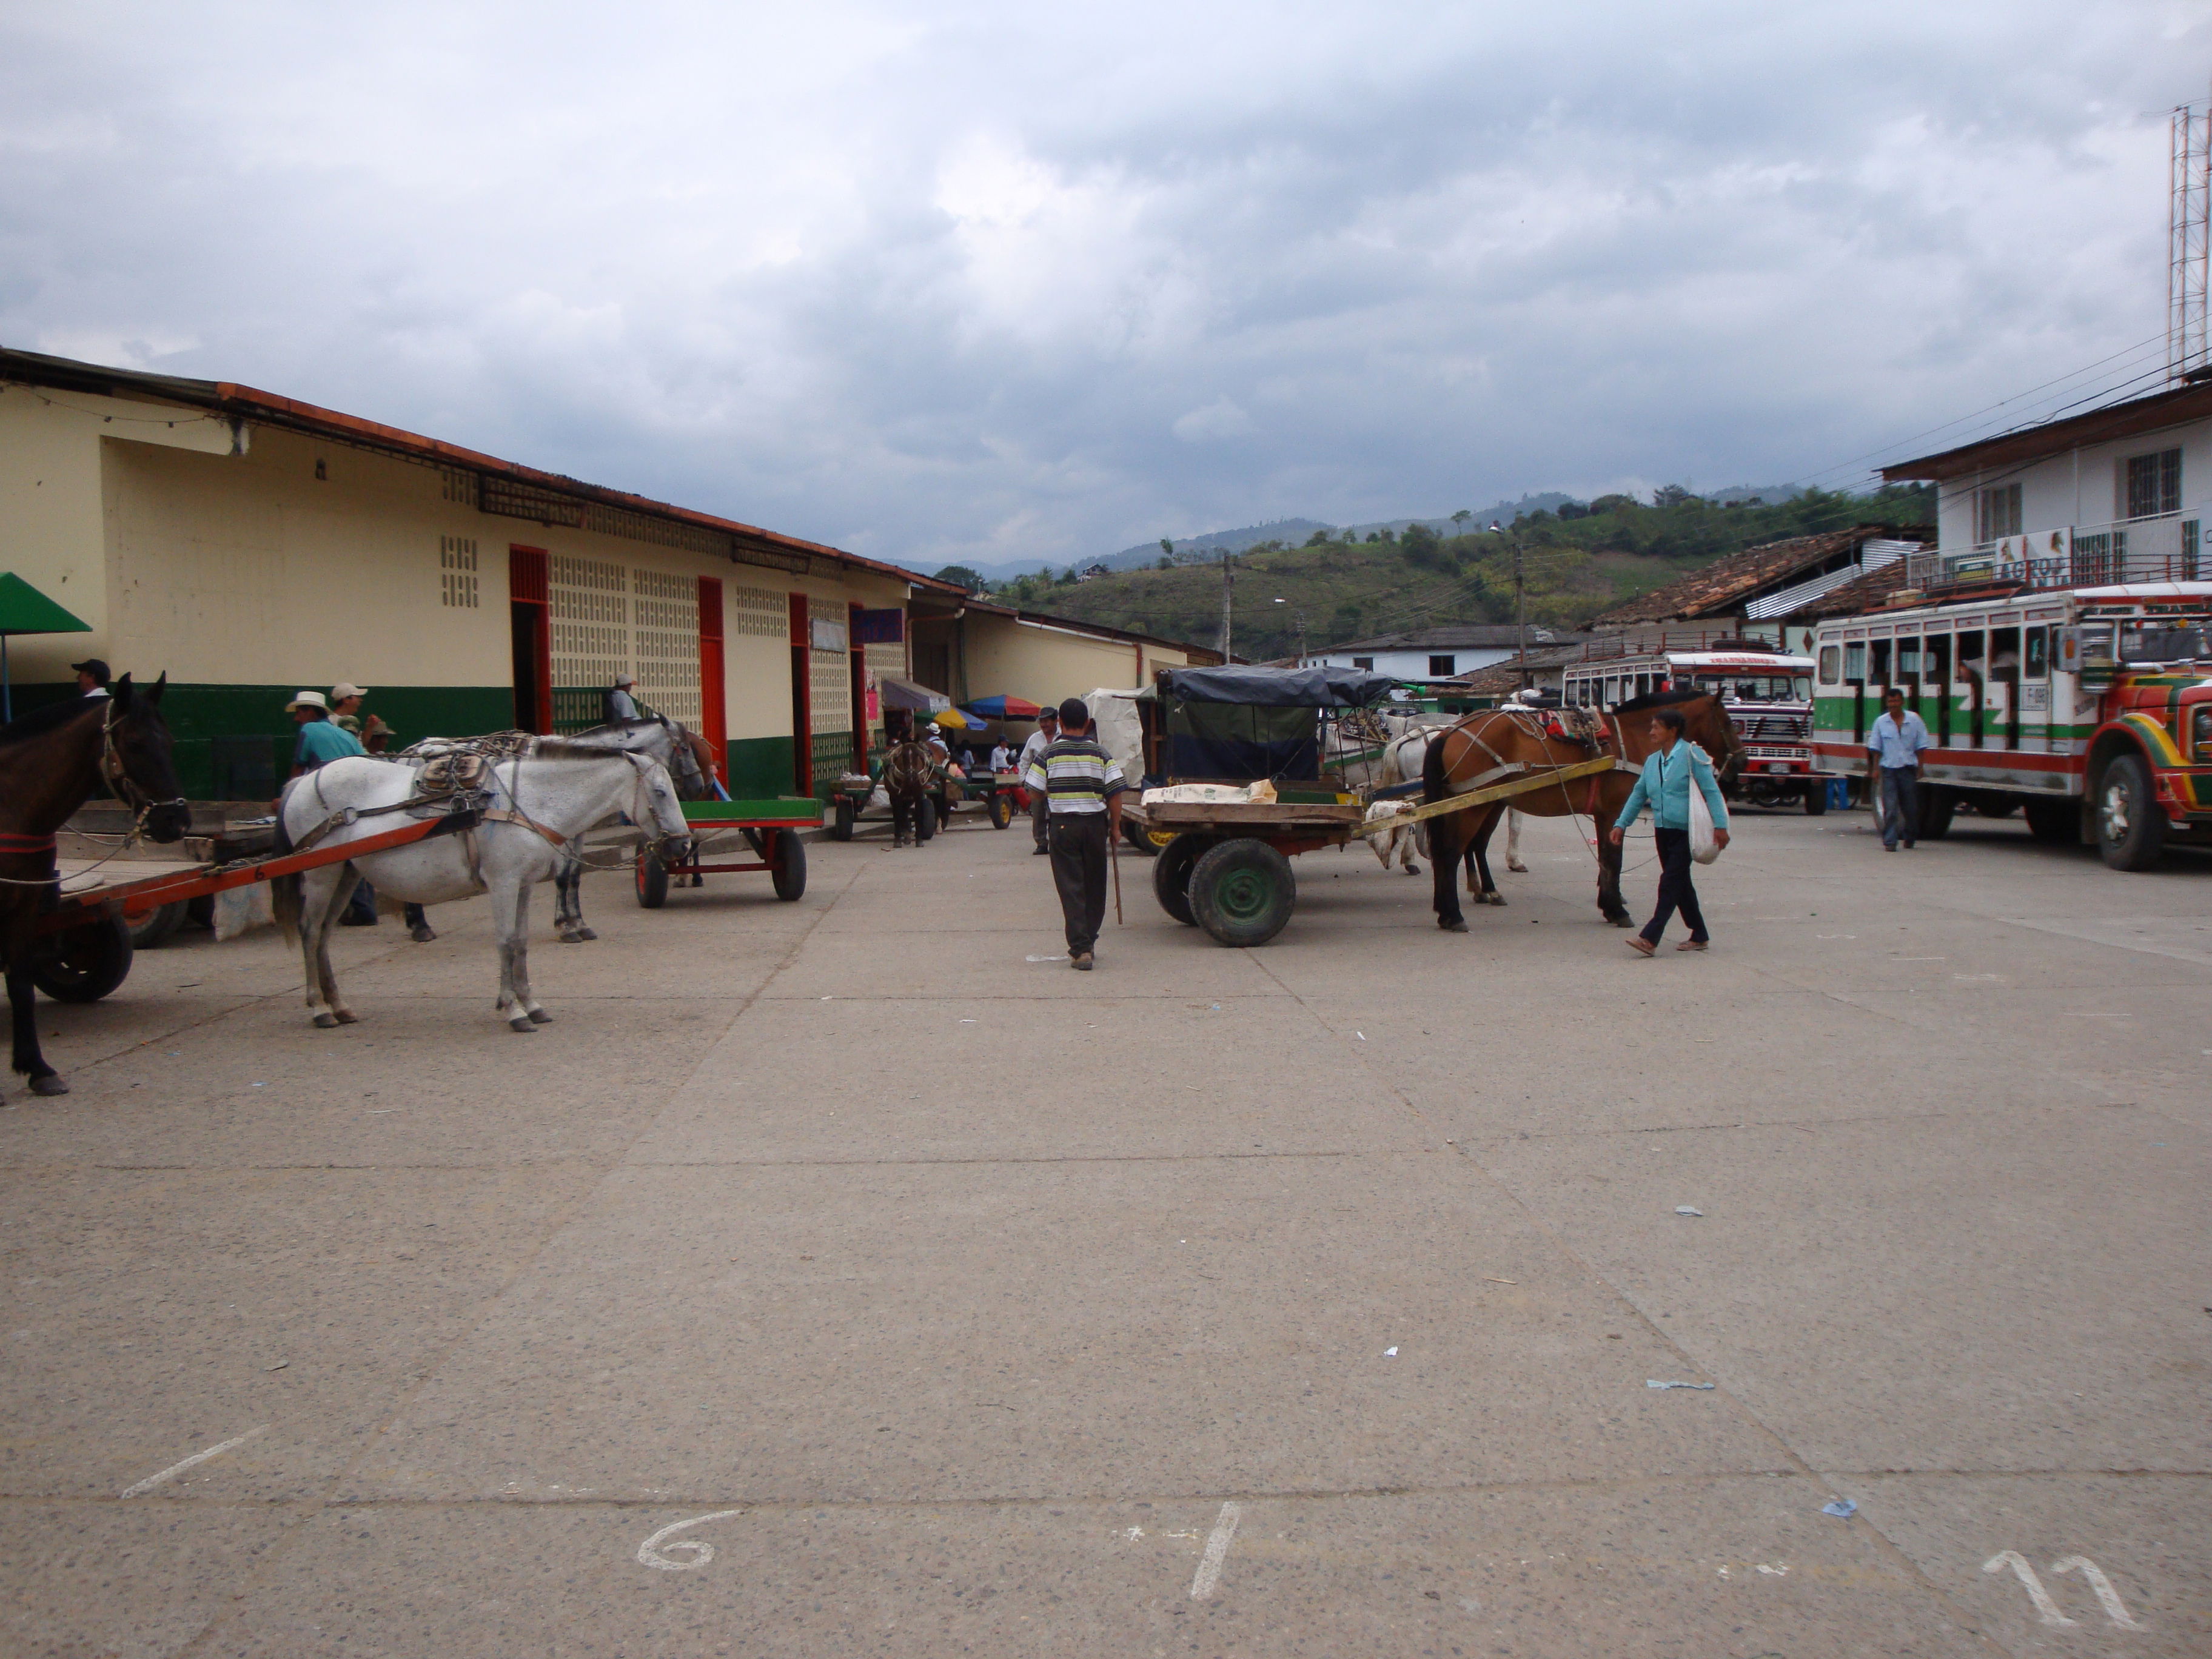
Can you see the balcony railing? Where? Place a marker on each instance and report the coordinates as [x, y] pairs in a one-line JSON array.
[[2167, 548]]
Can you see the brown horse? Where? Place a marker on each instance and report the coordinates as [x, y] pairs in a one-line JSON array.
[[1501, 743], [49, 761]]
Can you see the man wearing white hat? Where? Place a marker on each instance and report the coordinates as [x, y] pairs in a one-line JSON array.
[[622, 700], [322, 741]]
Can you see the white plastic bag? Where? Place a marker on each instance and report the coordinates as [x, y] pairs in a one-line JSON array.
[[1704, 847]]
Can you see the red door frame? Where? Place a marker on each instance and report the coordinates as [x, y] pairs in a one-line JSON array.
[[527, 585], [802, 700], [714, 715]]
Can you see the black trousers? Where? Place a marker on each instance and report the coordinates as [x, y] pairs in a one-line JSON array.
[[906, 819], [1037, 816], [1079, 870], [1676, 892]]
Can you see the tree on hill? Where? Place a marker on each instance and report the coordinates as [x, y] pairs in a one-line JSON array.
[[961, 573]]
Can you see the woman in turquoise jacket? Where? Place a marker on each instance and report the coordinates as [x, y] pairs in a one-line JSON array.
[[1664, 785]]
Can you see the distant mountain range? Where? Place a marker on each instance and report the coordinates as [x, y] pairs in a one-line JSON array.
[[1293, 532]]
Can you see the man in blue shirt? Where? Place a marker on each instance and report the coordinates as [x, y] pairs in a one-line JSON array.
[[1895, 746], [1670, 771], [322, 741]]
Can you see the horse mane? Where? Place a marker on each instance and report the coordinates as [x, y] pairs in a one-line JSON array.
[[39, 721], [1659, 700]]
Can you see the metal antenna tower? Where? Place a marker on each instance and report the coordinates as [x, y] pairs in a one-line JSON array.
[[2189, 242]]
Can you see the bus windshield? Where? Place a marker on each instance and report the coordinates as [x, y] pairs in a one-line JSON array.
[[2166, 641], [1758, 688]]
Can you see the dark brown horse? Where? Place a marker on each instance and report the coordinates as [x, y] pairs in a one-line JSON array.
[[1501, 743], [49, 761]]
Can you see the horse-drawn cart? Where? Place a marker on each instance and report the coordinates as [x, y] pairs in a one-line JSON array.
[[85, 946], [1000, 793], [767, 829]]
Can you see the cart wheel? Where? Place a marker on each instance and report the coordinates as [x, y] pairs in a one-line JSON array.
[[155, 926], [651, 879], [1243, 891], [1138, 842], [787, 868], [1002, 809], [1816, 798], [83, 965], [1172, 876], [841, 823], [924, 819]]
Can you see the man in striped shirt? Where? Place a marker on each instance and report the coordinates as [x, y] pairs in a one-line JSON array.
[[1082, 786]]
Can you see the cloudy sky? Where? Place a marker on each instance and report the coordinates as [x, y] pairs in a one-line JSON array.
[[987, 282]]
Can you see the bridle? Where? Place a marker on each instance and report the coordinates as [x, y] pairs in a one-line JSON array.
[[118, 780]]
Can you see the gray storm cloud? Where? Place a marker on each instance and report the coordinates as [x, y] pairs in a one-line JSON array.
[[988, 282]]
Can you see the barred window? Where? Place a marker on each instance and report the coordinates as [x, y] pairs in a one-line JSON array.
[[2152, 484]]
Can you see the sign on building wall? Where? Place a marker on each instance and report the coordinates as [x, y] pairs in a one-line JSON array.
[[828, 633], [886, 627]]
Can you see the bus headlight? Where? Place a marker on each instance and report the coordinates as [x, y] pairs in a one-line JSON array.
[[2200, 728]]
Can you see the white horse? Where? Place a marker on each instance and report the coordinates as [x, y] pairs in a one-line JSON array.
[[1401, 763], [537, 805], [671, 743]]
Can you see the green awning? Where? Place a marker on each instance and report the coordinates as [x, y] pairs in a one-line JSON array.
[[24, 610]]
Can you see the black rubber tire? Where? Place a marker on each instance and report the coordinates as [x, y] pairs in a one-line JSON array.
[[1243, 892], [1992, 803], [1172, 876], [201, 911], [925, 820], [1138, 842], [651, 879], [1937, 805], [155, 926], [83, 965], [788, 869], [1001, 807], [2054, 823], [2131, 825], [1816, 798], [840, 821]]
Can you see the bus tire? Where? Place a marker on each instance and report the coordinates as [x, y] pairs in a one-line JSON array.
[[1816, 798], [2130, 827], [2054, 823], [1937, 805]]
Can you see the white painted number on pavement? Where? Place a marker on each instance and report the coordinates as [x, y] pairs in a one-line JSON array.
[[651, 1554], [2046, 1608]]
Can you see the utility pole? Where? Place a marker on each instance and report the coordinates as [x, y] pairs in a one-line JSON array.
[[1520, 602], [1228, 588]]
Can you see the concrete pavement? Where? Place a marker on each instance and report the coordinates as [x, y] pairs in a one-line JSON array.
[[835, 1277]]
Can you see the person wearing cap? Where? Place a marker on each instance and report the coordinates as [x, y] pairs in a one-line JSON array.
[[1082, 785], [622, 699], [92, 677], [1039, 741]]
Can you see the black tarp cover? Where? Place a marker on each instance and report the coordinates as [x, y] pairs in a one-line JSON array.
[[1277, 688]]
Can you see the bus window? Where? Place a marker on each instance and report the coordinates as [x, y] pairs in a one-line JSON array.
[[1879, 671], [1935, 675], [1908, 659], [1855, 665], [1831, 663], [1971, 671], [1644, 685], [2035, 655], [1612, 690], [1801, 688]]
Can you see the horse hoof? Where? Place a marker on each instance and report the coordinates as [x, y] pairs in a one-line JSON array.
[[1412, 869], [572, 939], [48, 1085], [423, 934], [1453, 927], [347, 1016], [521, 1023], [1518, 869], [586, 933], [538, 1016], [326, 1022], [1497, 899]]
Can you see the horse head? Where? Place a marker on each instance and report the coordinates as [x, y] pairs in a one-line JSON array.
[[138, 761], [656, 809], [1710, 727]]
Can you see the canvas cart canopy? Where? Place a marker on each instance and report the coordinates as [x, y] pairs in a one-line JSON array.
[[1239, 724]]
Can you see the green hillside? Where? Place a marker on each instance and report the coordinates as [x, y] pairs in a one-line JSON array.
[[1579, 562]]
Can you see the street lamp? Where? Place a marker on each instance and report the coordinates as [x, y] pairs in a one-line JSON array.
[[1520, 599]]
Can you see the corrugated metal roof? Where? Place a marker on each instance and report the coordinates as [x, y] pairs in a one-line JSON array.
[[1449, 636]]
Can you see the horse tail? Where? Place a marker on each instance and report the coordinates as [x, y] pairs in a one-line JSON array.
[[1432, 769], [284, 894]]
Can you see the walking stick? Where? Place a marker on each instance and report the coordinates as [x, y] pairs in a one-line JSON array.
[[1113, 858]]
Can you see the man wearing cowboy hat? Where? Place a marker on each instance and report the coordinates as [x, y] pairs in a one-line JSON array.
[[622, 699], [322, 741]]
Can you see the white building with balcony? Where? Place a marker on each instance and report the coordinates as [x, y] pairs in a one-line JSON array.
[[2116, 495]]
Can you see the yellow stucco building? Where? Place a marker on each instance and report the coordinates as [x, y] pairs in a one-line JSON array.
[[249, 544]]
